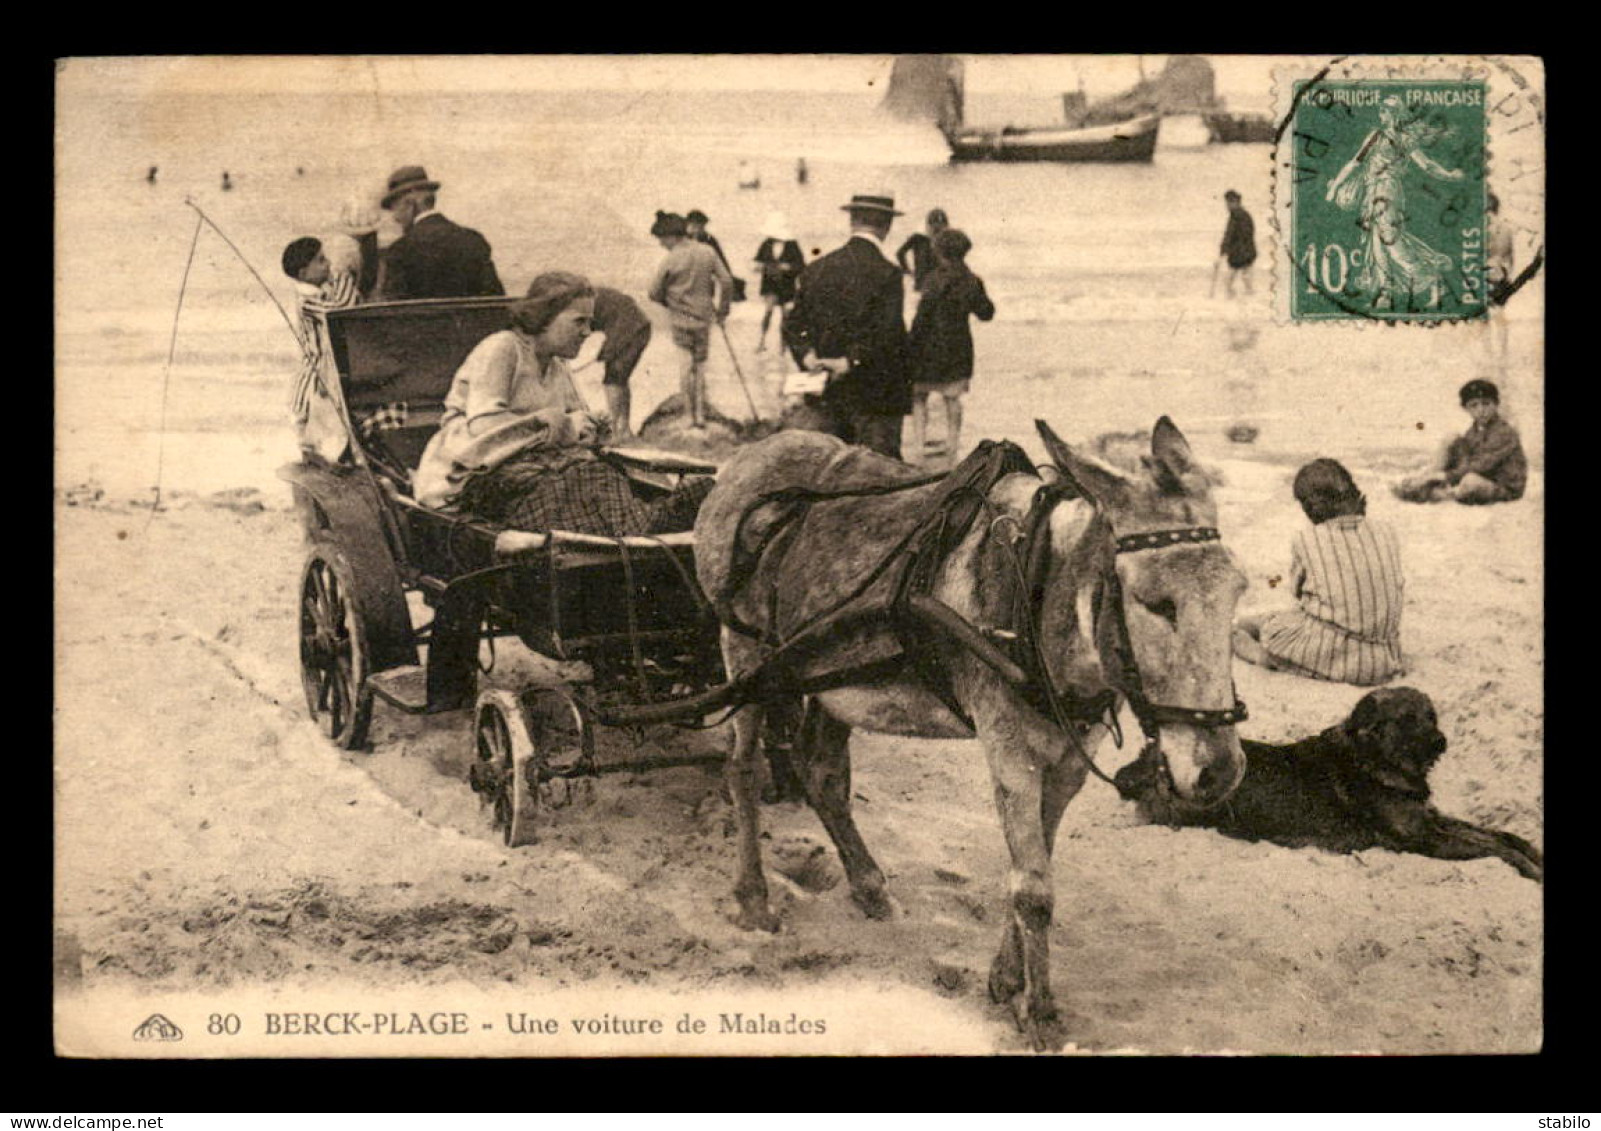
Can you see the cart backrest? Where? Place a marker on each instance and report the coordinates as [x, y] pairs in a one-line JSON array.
[[396, 361]]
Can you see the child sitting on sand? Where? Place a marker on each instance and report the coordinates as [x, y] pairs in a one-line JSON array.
[[1345, 574], [1485, 464]]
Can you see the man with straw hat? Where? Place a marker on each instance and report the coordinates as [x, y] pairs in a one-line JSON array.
[[848, 321], [434, 258]]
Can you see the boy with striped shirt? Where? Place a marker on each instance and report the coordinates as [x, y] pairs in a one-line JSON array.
[[1345, 573]]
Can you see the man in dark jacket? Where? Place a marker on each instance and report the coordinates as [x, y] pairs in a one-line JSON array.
[[919, 247], [435, 258], [1239, 244], [848, 320]]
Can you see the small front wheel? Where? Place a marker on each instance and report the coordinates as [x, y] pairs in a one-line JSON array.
[[504, 771]]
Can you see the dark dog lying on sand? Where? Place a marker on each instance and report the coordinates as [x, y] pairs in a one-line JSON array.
[[1361, 784]]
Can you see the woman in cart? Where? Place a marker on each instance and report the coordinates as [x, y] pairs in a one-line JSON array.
[[517, 444]]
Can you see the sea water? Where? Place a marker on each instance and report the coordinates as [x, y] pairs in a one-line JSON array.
[[1100, 273]]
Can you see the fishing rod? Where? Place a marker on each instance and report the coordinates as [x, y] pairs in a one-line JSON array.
[[248, 267], [201, 221], [166, 375]]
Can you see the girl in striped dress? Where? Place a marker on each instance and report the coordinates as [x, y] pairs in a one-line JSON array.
[[1345, 573]]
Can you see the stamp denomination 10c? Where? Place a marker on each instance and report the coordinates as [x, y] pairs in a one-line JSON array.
[[1380, 196]]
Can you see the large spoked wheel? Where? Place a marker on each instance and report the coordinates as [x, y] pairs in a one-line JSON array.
[[334, 658], [505, 772]]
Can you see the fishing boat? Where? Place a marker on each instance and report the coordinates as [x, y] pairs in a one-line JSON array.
[[1131, 140]]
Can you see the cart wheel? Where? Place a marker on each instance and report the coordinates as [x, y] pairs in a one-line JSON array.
[[560, 731], [334, 661], [505, 771]]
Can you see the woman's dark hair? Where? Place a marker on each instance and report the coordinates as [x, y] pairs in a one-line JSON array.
[[1326, 490], [548, 295], [299, 253], [952, 244], [669, 224]]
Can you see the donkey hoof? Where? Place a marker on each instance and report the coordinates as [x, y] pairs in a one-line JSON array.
[[757, 919], [1040, 1024], [875, 903], [1045, 1034]]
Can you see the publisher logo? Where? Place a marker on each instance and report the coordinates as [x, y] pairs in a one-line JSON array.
[[157, 1028]]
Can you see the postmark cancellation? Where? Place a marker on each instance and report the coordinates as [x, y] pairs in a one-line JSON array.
[[1384, 187]]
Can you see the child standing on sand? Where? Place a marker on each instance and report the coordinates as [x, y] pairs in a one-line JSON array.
[[319, 289], [1345, 574]]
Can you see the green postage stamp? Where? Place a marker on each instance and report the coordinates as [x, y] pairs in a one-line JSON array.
[[1381, 191]]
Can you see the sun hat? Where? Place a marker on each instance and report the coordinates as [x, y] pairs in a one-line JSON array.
[[862, 202], [405, 179], [1480, 390]]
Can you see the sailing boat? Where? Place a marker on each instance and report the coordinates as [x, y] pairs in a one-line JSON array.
[[1128, 137]]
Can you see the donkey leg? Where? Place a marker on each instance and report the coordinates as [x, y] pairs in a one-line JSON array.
[[823, 754], [1033, 784], [741, 774], [1059, 784], [1018, 797]]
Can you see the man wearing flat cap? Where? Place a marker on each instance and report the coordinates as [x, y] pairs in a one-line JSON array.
[[848, 320], [435, 258]]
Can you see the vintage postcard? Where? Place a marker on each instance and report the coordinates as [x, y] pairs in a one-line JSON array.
[[799, 554]]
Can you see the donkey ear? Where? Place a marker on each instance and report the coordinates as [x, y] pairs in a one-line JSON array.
[[1172, 459], [1095, 480]]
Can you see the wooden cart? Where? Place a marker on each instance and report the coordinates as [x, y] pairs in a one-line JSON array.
[[398, 601]]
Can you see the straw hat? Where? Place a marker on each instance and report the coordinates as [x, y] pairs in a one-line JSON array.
[[862, 202]]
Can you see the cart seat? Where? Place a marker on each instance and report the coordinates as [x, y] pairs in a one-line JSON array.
[[396, 363]]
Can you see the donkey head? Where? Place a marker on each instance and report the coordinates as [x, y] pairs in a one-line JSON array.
[[1175, 595]]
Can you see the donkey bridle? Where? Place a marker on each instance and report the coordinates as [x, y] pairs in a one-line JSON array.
[[1036, 551], [1152, 714]]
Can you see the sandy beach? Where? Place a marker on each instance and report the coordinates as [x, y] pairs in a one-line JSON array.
[[216, 857], [220, 846]]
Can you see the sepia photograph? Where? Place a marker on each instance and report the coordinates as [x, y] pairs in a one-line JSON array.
[[793, 555]]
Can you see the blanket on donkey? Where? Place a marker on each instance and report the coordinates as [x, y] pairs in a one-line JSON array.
[[807, 538]]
